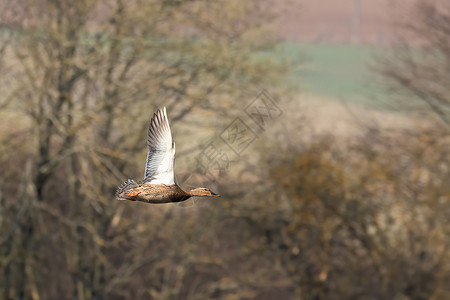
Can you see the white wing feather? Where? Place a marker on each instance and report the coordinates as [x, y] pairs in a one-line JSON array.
[[161, 151]]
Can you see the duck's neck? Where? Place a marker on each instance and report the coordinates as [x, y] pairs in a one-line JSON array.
[[198, 192]]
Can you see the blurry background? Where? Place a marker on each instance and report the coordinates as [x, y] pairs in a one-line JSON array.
[[342, 193]]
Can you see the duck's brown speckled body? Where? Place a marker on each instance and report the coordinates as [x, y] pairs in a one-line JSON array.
[[159, 184]]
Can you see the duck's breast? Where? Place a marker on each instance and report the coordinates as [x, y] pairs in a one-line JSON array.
[[162, 193]]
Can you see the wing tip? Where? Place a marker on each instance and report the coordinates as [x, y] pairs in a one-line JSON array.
[[160, 117], [159, 122], [161, 111]]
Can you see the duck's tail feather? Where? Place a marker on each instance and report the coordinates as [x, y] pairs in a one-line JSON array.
[[130, 183]]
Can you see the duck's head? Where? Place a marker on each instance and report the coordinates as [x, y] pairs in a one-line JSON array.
[[203, 192]]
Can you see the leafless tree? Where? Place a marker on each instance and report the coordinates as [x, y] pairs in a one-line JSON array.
[[415, 69], [84, 78]]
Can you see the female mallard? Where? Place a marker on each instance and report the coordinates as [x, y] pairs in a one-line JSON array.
[[159, 184]]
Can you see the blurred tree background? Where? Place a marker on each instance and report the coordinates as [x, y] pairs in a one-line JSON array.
[[302, 216]]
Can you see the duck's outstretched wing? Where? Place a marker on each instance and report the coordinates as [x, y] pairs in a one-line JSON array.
[[161, 151]]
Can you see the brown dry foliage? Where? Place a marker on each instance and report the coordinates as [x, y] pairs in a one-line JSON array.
[[369, 221]]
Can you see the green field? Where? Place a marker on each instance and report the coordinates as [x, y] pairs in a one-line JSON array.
[[332, 71]]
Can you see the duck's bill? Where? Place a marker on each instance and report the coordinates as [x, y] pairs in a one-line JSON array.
[[214, 194]]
